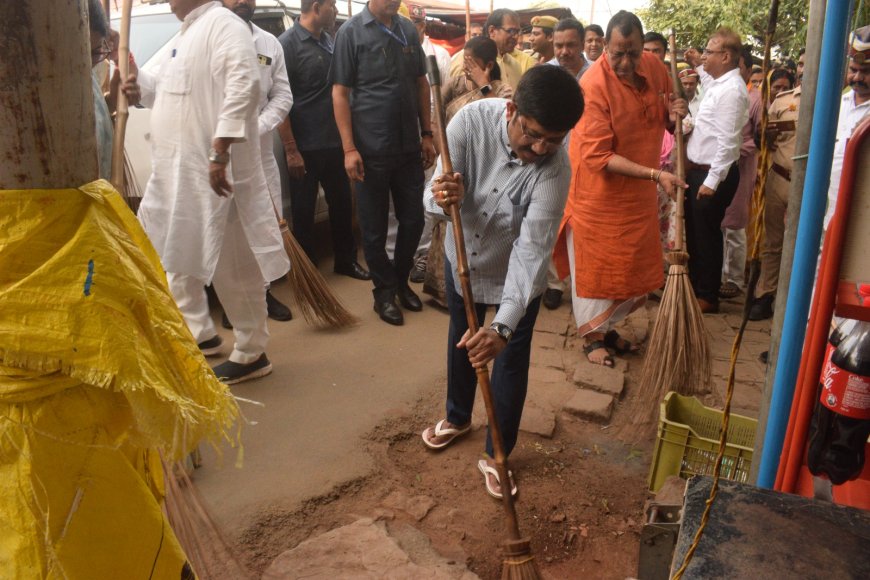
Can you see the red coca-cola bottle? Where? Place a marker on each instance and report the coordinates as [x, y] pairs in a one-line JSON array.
[[841, 420]]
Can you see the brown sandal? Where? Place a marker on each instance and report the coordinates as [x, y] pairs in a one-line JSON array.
[[607, 361], [619, 344]]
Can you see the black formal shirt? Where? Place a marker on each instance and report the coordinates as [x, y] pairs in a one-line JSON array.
[[308, 61], [381, 66]]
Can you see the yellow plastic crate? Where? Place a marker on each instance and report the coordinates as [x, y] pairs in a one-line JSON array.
[[688, 441]]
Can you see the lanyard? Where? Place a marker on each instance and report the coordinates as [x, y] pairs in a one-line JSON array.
[[403, 41]]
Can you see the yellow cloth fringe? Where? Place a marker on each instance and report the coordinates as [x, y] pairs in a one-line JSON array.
[[82, 294], [98, 371]]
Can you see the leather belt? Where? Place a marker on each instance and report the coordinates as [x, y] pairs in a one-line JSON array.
[[698, 166], [781, 171]]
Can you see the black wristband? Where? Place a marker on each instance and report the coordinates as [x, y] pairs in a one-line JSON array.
[[427, 134]]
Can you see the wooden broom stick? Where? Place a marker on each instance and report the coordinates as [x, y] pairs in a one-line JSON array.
[[680, 145], [517, 548]]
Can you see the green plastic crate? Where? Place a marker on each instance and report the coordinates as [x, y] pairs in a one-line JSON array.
[[688, 441]]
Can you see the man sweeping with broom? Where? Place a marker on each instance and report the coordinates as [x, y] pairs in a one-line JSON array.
[[510, 181], [609, 237]]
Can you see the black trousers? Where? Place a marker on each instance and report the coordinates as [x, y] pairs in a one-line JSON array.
[[324, 167], [399, 176], [703, 231]]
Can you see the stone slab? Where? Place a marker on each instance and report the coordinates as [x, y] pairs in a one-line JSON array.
[[555, 322], [362, 550], [547, 356], [590, 405], [538, 375], [417, 506], [538, 422], [599, 378]]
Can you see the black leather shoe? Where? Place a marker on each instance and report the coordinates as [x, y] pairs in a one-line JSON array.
[[552, 298], [353, 270], [389, 312], [276, 309], [409, 300], [762, 308]]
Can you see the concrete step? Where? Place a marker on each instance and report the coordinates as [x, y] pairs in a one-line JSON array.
[[590, 405]]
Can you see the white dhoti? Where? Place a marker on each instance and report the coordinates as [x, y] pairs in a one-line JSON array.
[[597, 314], [239, 285]]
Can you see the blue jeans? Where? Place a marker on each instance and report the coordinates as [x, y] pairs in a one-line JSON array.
[[510, 369], [401, 176]]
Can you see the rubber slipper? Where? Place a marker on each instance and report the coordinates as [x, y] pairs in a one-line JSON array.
[[495, 492], [448, 432], [619, 344], [595, 345]]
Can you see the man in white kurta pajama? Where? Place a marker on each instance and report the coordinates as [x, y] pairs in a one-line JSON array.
[[274, 106], [206, 207]]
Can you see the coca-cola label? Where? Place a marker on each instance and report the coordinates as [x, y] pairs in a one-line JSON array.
[[845, 393]]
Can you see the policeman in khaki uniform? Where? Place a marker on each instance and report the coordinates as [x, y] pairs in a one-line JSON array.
[[782, 135]]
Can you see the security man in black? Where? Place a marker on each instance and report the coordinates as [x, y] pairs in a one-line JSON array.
[[310, 137], [380, 97]]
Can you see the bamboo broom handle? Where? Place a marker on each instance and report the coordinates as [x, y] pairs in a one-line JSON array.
[[121, 110], [681, 149], [467, 19], [107, 78], [468, 299]]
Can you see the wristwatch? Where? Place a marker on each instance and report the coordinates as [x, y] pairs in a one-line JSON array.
[[485, 90], [427, 134], [502, 330], [219, 158]]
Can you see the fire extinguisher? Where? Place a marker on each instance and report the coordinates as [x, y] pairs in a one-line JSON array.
[[841, 419]]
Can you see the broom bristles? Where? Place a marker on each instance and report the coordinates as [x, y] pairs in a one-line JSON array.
[[207, 551], [519, 562], [678, 357], [131, 194], [319, 306]]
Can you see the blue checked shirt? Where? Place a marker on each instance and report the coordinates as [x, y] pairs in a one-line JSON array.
[[510, 214]]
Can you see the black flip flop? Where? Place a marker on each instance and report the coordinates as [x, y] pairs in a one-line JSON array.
[[612, 340]]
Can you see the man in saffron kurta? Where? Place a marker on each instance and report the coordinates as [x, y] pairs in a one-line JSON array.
[[609, 238]]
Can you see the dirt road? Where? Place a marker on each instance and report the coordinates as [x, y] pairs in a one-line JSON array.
[[328, 389]]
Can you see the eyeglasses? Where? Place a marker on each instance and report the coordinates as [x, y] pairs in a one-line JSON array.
[[549, 143], [510, 31], [707, 51], [100, 54]]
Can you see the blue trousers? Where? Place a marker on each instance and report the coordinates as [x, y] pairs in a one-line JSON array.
[[510, 369], [401, 176]]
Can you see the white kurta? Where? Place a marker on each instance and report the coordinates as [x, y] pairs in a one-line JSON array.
[[441, 56], [851, 114], [275, 102], [206, 86]]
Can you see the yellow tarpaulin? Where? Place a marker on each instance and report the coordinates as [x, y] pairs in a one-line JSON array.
[[97, 372]]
